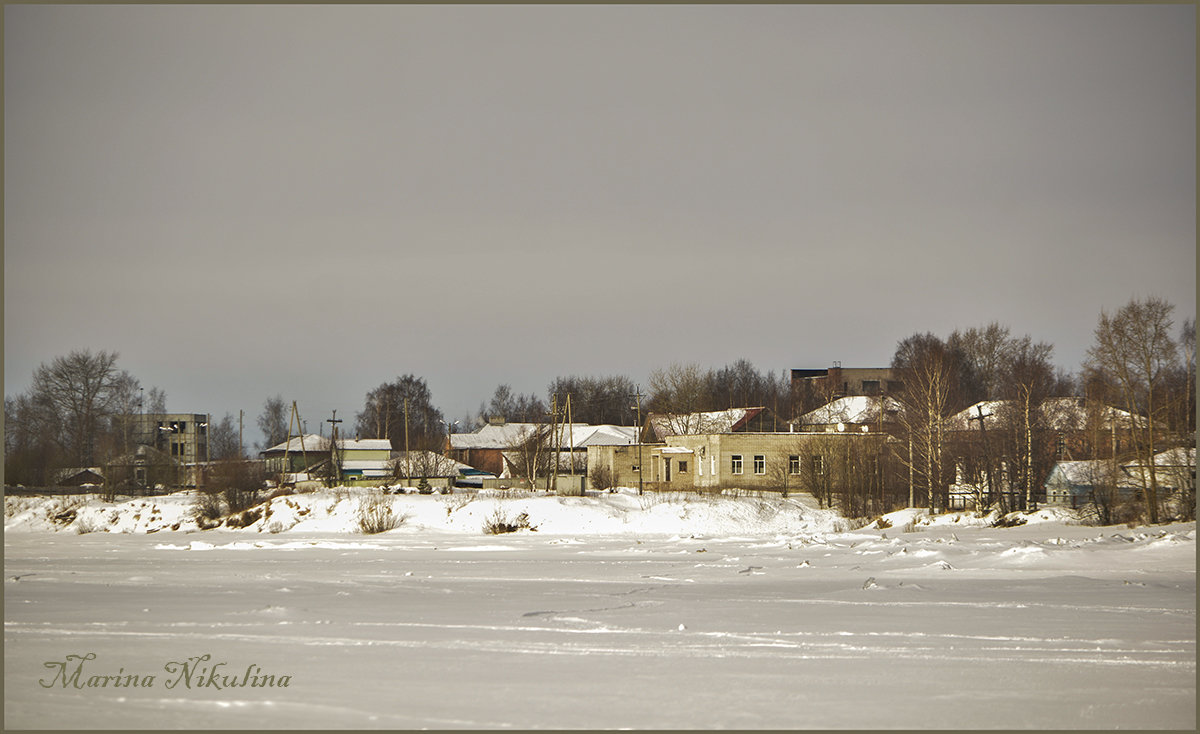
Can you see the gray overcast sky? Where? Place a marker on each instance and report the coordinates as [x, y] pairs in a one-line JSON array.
[[313, 200]]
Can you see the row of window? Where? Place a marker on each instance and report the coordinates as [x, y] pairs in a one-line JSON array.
[[759, 464]]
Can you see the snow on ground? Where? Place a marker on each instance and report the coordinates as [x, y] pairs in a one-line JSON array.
[[607, 611]]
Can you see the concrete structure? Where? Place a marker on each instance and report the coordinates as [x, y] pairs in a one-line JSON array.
[[837, 381], [182, 436]]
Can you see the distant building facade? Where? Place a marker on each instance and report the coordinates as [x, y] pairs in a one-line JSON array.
[[181, 436], [839, 382]]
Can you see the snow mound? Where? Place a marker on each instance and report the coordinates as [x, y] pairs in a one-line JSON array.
[[339, 510]]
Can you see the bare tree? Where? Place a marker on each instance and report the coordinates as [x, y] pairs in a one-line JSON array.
[[156, 400], [934, 375], [80, 390], [511, 406], [531, 458], [987, 350], [678, 393], [31, 446], [273, 421], [596, 400], [402, 412], [1134, 349], [223, 440], [1026, 379]]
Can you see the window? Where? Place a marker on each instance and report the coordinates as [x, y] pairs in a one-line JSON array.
[[735, 464], [760, 464], [818, 466], [174, 449], [870, 387], [636, 468], [793, 464], [682, 466]]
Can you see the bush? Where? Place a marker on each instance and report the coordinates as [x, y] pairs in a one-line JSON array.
[[882, 523], [1009, 521], [86, 525], [601, 478], [207, 507], [375, 514], [244, 518], [499, 523]]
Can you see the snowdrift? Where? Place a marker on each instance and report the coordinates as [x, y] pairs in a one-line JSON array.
[[622, 513], [339, 510]]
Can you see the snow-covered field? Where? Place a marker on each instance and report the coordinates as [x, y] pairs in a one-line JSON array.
[[608, 611]]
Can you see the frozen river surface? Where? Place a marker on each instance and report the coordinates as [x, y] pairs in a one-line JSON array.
[[1041, 626]]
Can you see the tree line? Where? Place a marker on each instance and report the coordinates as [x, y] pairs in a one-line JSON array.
[[1139, 362]]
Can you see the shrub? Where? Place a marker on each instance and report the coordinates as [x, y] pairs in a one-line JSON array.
[[375, 514], [87, 525], [244, 518], [207, 508], [882, 523], [1009, 521], [499, 523], [601, 478], [457, 502]]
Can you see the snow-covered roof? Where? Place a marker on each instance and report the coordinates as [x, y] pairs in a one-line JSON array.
[[1180, 457], [1065, 414], [1084, 473], [509, 435], [605, 435], [493, 437], [854, 409], [1176, 457], [307, 442], [314, 442], [64, 474], [694, 424], [364, 444]]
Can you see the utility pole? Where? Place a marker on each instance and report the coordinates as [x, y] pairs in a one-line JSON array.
[[407, 458], [337, 469], [570, 436], [241, 444], [638, 407], [300, 428], [557, 433]]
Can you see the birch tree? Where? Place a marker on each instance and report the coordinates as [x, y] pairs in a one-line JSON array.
[[1133, 348], [933, 374], [1025, 380]]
